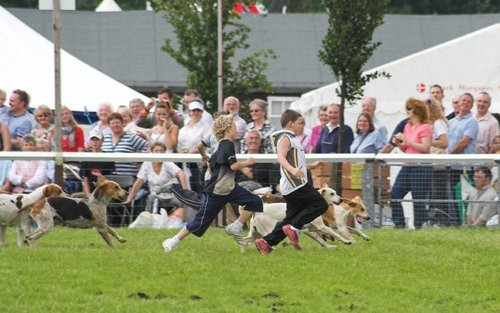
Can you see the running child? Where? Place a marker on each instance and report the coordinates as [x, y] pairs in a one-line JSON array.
[[221, 188], [303, 202]]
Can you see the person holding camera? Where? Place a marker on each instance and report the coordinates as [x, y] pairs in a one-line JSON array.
[[416, 138], [165, 130], [165, 97]]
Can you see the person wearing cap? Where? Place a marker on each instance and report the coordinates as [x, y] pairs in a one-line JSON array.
[[90, 169], [190, 135], [189, 96]]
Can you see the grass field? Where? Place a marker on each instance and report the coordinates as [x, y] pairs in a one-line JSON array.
[[430, 270]]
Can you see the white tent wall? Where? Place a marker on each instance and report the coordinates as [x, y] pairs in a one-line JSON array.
[[470, 63], [27, 63]]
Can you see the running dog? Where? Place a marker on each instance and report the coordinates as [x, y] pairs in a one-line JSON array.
[[13, 208], [78, 212], [337, 216], [263, 223]]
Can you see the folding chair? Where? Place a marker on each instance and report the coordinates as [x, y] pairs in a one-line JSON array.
[[125, 182]]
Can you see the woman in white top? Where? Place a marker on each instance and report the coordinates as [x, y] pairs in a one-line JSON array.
[[104, 111], [190, 135], [439, 145], [159, 176], [165, 130]]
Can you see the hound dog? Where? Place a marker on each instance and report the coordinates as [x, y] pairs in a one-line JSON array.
[[13, 208], [337, 216], [78, 212], [263, 223]]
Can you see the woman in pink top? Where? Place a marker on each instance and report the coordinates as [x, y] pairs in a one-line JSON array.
[[415, 178], [316, 130]]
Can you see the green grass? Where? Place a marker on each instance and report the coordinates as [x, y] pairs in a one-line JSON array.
[[430, 270]]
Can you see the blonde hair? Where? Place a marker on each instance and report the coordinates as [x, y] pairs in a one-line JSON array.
[[72, 122], [42, 108], [435, 110], [222, 124]]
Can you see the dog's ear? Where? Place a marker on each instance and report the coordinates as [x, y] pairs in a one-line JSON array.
[[98, 191], [52, 190], [357, 198], [100, 178], [352, 204], [325, 185]]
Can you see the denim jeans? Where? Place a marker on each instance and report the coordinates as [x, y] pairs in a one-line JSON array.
[[417, 180]]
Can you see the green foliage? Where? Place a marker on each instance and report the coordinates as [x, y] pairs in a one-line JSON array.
[[348, 43], [195, 25], [347, 46], [429, 270]]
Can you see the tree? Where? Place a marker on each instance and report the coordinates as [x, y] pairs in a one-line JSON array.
[[195, 25], [348, 45]]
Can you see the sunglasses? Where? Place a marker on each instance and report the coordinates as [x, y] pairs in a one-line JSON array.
[[195, 110], [409, 109], [42, 115], [253, 111]]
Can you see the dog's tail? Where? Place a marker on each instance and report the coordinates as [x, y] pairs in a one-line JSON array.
[[35, 206]]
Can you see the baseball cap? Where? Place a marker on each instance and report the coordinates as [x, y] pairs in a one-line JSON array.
[[195, 104], [95, 134]]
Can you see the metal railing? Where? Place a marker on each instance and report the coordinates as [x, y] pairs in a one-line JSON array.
[[374, 198]]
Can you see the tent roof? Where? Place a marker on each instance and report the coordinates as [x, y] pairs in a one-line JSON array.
[[27, 63], [467, 64], [108, 6]]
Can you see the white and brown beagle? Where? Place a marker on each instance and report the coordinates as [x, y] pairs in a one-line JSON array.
[[13, 208], [78, 212]]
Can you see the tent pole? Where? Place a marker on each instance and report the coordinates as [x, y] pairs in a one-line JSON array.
[[220, 52], [56, 14]]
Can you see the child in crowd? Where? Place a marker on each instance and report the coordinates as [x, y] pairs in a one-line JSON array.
[[303, 202], [26, 175], [221, 187]]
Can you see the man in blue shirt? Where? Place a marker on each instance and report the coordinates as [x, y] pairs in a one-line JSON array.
[[20, 120], [462, 135], [328, 140]]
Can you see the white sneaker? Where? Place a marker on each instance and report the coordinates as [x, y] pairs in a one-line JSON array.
[[169, 245], [233, 230]]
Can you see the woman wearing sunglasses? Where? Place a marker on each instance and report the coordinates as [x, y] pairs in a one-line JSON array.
[[415, 139]]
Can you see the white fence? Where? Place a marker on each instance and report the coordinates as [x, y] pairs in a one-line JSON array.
[[373, 198]]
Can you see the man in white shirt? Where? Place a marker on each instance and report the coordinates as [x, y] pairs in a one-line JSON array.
[[488, 124], [232, 104]]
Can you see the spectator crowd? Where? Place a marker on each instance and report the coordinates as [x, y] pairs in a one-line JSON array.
[[158, 126]]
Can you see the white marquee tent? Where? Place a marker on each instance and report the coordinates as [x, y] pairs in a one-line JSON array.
[[27, 63], [470, 63]]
